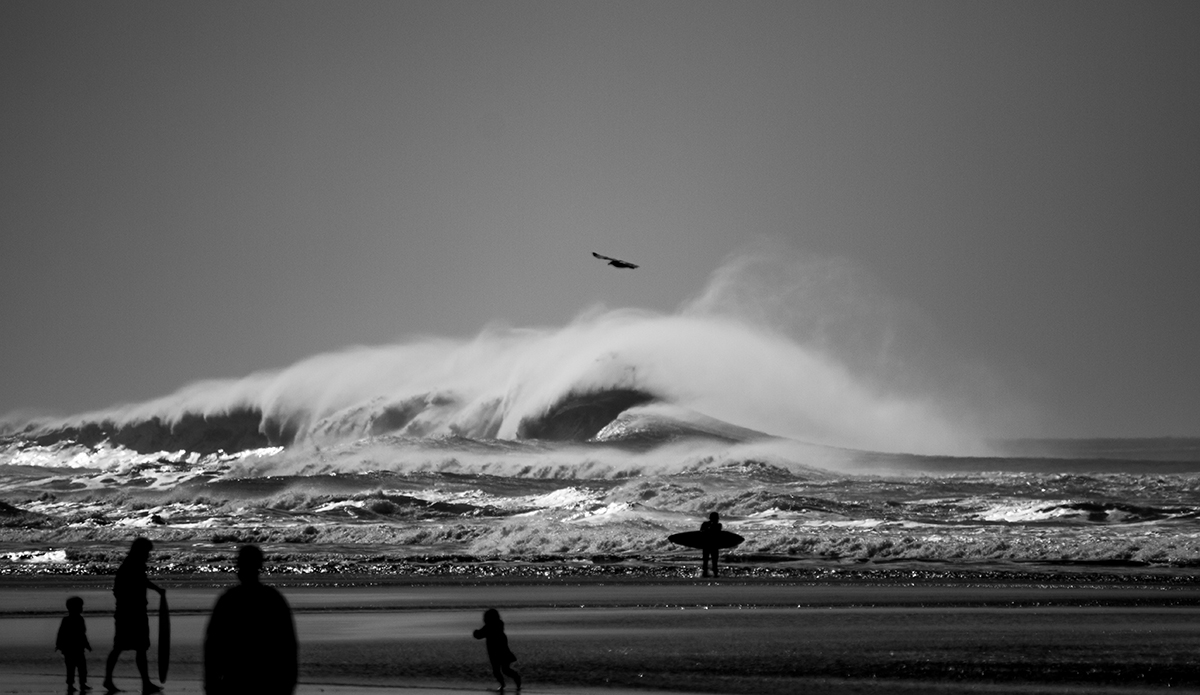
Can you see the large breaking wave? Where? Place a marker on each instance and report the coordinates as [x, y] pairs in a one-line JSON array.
[[713, 357], [771, 345]]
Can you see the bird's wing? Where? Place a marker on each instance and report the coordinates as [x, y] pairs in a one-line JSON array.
[[615, 262]]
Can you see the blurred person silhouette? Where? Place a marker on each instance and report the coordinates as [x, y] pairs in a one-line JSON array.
[[250, 643], [497, 647], [72, 641], [130, 617], [713, 525]]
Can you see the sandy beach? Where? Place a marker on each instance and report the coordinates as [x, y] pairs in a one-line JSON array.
[[739, 636]]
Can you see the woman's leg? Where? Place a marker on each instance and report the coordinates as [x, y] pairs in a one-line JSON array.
[[109, 666]]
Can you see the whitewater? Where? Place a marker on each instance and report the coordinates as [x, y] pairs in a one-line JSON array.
[[586, 445]]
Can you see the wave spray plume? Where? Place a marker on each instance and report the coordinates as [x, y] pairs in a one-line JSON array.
[[564, 383]]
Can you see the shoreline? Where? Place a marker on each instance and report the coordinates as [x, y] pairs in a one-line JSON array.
[[632, 570], [82, 557]]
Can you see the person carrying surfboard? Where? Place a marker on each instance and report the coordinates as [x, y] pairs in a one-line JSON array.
[[713, 526], [130, 617], [710, 539], [250, 643]]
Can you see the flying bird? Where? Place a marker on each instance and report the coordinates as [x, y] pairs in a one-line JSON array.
[[615, 262]]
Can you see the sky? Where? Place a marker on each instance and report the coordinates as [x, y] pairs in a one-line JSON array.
[[203, 190]]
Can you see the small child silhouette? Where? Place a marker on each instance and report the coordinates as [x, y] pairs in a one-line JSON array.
[[72, 640], [497, 647]]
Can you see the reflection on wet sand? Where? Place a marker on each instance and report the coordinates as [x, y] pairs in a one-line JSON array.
[[693, 636]]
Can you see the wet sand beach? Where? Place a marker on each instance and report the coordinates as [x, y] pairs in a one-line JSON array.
[[362, 635]]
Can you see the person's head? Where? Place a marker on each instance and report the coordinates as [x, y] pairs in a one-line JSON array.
[[249, 562], [712, 517], [140, 549], [491, 616], [74, 605]]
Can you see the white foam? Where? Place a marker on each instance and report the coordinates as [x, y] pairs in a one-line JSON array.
[[36, 557], [1025, 511]]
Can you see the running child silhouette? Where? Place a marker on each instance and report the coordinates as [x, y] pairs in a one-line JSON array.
[[71, 641], [497, 647]]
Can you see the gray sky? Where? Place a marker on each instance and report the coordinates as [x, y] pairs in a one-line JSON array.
[[202, 190]]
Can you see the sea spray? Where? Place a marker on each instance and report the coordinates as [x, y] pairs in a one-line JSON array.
[[793, 347], [503, 382]]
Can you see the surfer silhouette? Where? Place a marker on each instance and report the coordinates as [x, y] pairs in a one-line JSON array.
[[713, 525], [250, 642], [497, 647], [709, 539], [130, 617], [71, 641]]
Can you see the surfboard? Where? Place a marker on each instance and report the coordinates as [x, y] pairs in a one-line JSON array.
[[164, 638], [706, 539]]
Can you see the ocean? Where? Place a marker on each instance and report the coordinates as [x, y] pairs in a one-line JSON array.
[[594, 484]]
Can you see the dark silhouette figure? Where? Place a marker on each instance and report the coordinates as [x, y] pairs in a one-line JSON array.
[[497, 647], [615, 262], [132, 621], [713, 525], [250, 643], [71, 641]]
